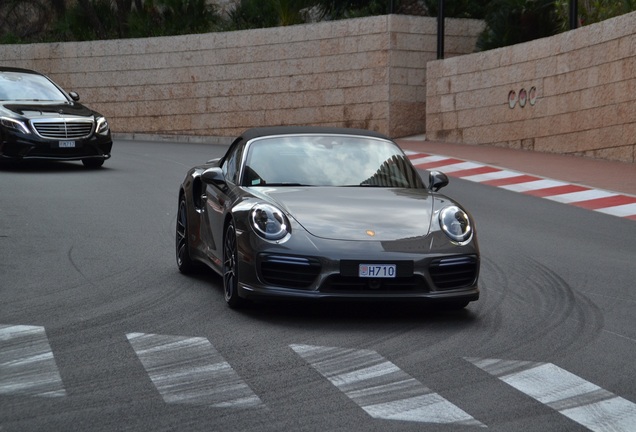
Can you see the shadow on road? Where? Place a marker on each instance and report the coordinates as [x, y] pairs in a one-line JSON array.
[[44, 166]]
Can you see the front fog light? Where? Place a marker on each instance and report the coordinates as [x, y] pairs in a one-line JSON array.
[[455, 223]]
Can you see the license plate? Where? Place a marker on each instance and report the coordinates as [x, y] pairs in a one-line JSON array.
[[377, 270], [67, 144]]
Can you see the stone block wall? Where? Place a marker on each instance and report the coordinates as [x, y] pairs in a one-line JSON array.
[[574, 93], [367, 73]]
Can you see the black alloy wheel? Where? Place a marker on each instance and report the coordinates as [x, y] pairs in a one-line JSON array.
[[230, 268], [184, 262]]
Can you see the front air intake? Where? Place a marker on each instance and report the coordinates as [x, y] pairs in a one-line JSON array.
[[289, 271], [455, 272]]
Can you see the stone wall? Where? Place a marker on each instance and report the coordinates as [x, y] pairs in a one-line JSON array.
[[368, 73], [574, 93]]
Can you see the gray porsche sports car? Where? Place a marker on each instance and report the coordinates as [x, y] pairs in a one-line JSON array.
[[325, 213]]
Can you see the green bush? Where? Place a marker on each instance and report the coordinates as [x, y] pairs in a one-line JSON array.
[[93, 20], [593, 11], [459, 8], [249, 14], [101, 19], [509, 22]]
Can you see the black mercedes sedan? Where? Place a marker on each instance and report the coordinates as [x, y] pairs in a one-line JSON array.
[[39, 120], [325, 213]]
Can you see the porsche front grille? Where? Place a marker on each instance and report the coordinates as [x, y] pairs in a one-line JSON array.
[[289, 271], [456, 272], [61, 129]]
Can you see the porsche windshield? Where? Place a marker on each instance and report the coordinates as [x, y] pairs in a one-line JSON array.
[[327, 160], [19, 86]]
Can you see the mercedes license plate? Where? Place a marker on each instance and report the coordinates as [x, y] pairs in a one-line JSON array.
[[377, 270], [67, 144]]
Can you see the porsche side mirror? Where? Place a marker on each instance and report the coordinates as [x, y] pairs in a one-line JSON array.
[[74, 96], [436, 180], [213, 176]]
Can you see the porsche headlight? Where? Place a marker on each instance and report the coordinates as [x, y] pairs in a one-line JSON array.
[[455, 224], [269, 222]]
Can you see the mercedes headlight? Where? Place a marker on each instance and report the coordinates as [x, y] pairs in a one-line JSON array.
[[269, 222], [102, 125], [456, 224], [15, 125]]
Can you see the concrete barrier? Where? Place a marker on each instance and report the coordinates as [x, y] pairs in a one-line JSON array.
[[368, 73], [573, 93]]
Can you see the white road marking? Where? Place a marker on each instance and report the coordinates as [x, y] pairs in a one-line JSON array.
[[428, 159], [581, 196], [620, 210], [587, 404], [533, 185], [495, 175], [381, 388], [27, 365], [454, 165], [460, 166], [189, 370]]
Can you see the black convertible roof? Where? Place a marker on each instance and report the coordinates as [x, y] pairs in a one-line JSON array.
[[291, 130]]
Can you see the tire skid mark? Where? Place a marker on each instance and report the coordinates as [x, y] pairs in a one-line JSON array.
[[570, 307], [550, 313]]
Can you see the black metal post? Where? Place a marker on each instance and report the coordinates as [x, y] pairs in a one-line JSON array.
[[574, 14], [440, 29]]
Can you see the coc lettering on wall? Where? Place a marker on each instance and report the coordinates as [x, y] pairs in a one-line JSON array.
[[523, 97]]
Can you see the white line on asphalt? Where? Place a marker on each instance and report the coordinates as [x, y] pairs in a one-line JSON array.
[[381, 388], [620, 210], [496, 175], [534, 185], [581, 196], [428, 159], [27, 365], [455, 165], [460, 166], [587, 404], [189, 370]]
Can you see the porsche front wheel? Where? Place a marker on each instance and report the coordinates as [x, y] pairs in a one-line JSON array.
[[230, 268], [184, 262]]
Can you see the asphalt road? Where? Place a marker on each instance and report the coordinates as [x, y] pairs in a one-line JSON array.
[[100, 332]]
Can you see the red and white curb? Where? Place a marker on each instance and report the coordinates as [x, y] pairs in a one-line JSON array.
[[603, 201]]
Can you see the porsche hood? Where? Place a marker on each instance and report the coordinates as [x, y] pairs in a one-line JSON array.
[[343, 213]]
